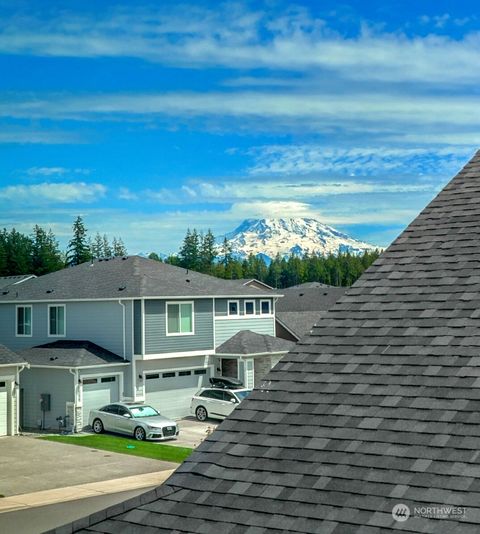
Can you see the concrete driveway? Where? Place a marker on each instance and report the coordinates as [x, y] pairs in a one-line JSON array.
[[29, 465], [193, 432]]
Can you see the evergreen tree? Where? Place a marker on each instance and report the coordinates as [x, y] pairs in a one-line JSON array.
[[78, 249], [46, 256], [18, 252], [97, 246], [106, 248], [118, 248], [154, 256], [207, 252], [189, 254]]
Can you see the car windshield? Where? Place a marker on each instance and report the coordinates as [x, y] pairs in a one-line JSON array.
[[143, 411], [242, 394]]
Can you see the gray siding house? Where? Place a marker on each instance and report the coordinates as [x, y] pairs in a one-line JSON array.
[[11, 365], [152, 331]]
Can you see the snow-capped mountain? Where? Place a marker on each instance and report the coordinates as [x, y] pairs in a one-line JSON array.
[[269, 237]]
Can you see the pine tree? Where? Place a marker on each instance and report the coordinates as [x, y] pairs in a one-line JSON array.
[[207, 252], [154, 256], [118, 248], [106, 248], [46, 256], [97, 246], [189, 254], [78, 248]]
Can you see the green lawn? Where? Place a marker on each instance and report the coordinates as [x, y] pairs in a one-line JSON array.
[[107, 442]]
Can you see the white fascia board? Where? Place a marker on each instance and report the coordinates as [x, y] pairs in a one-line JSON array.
[[169, 355], [67, 367], [251, 355]]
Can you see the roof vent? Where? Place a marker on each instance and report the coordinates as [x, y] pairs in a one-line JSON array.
[[100, 259], [301, 294], [50, 290], [122, 288], [5, 292], [187, 280], [125, 258], [53, 358]]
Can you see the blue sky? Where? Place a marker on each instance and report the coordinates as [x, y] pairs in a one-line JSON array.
[[150, 117]]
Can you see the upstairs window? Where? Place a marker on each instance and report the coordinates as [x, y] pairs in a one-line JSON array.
[[233, 307], [56, 321], [179, 318], [249, 307], [24, 321], [265, 307]]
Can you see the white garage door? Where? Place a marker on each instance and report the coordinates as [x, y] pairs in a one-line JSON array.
[[171, 392], [97, 392], [3, 409]]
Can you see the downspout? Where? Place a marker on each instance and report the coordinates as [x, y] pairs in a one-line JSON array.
[[17, 389], [76, 396], [124, 329]]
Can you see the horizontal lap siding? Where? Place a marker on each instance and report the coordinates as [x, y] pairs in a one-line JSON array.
[[226, 328], [156, 339]]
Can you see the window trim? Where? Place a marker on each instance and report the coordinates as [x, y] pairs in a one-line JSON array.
[[245, 302], [64, 320], [16, 320], [269, 307], [179, 302], [238, 308]]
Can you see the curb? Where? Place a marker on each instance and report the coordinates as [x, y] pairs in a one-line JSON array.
[[82, 491]]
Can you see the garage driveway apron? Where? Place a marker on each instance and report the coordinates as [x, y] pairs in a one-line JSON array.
[[28, 465]]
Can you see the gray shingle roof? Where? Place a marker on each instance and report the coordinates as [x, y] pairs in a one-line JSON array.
[[130, 277], [299, 322], [248, 342], [380, 405], [8, 357], [70, 353], [316, 298], [12, 280]]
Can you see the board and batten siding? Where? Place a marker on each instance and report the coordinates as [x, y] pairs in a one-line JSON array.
[[156, 339], [226, 328], [100, 322]]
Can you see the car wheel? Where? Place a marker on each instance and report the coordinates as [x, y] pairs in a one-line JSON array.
[[201, 413], [97, 426], [139, 433]]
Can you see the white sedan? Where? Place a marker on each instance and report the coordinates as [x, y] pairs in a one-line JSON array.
[[138, 420]]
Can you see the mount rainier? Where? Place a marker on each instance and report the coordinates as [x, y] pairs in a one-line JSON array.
[[269, 237]]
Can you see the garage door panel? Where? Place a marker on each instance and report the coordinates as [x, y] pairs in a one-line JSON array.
[[3, 412], [172, 395], [98, 394]]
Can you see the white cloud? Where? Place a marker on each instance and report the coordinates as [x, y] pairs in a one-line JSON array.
[[54, 171], [52, 193], [231, 35], [126, 194]]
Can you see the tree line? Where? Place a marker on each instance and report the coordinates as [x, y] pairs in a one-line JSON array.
[[199, 252], [39, 252]]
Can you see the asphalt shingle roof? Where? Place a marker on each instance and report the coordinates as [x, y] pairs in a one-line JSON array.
[[379, 406], [8, 357], [309, 298], [130, 277], [299, 322], [6, 281], [248, 342], [69, 353]]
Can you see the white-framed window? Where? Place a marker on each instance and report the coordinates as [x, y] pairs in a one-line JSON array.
[[249, 307], [180, 320], [23, 321], [233, 307], [265, 307], [56, 320]]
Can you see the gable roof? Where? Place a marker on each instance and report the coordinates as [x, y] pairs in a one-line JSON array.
[[309, 298], [70, 353], [298, 323], [8, 357], [248, 342], [123, 278], [379, 406], [15, 279]]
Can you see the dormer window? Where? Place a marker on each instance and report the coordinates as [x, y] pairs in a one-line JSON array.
[[56, 321]]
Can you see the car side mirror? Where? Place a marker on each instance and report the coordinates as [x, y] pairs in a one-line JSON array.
[[234, 401], [127, 415]]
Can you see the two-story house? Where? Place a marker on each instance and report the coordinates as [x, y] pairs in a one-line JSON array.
[[125, 329]]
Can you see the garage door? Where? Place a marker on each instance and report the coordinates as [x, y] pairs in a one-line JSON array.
[[3, 409], [171, 392], [97, 392]]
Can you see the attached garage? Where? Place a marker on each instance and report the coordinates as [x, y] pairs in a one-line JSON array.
[[98, 392], [11, 365], [171, 392]]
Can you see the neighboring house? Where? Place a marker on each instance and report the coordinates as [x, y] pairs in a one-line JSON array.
[[163, 321], [301, 308], [11, 365], [249, 356], [379, 407], [13, 280]]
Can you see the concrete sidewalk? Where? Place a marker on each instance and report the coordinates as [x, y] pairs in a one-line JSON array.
[[82, 491]]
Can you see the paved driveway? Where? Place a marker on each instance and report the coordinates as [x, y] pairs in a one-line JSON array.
[[193, 432], [28, 465]]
